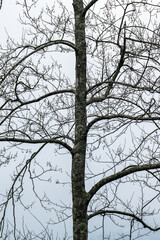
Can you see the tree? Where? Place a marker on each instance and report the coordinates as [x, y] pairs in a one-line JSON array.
[[106, 118]]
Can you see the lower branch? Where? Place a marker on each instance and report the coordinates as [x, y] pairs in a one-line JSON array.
[[105, 212], [10, 195], [125, 172]]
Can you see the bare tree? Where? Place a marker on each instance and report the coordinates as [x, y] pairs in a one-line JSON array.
[[105, 116]]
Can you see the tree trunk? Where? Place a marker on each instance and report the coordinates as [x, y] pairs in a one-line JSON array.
[[80, 222]]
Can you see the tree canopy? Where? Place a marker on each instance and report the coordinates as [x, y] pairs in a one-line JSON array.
[[80, 111]]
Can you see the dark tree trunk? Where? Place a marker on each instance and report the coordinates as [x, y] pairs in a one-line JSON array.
[[80, 223]]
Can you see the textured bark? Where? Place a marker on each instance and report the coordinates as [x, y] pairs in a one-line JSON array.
[[80, 227]]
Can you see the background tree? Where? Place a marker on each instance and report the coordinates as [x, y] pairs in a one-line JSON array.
[[104, 117]]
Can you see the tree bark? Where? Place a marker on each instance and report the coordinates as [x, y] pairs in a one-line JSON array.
[[80, 222]]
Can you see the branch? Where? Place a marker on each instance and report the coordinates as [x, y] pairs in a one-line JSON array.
[[36, 49], [11, 191], [101, 212], [47, 95], [143, 41], [89, 6], [34, 101], [55, 42], [125, 172], [123, 116], [116, 72], [38, 141]]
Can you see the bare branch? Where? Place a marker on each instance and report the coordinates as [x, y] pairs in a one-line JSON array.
[[89, 6], [125, 172], [38, 141], [36, 49], [131, 215], [123, 116]]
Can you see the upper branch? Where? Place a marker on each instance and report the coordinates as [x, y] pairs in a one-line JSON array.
[[115, 74], [131, 117], [35, 50], [89, 6], [34, 101], [55, 42]]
